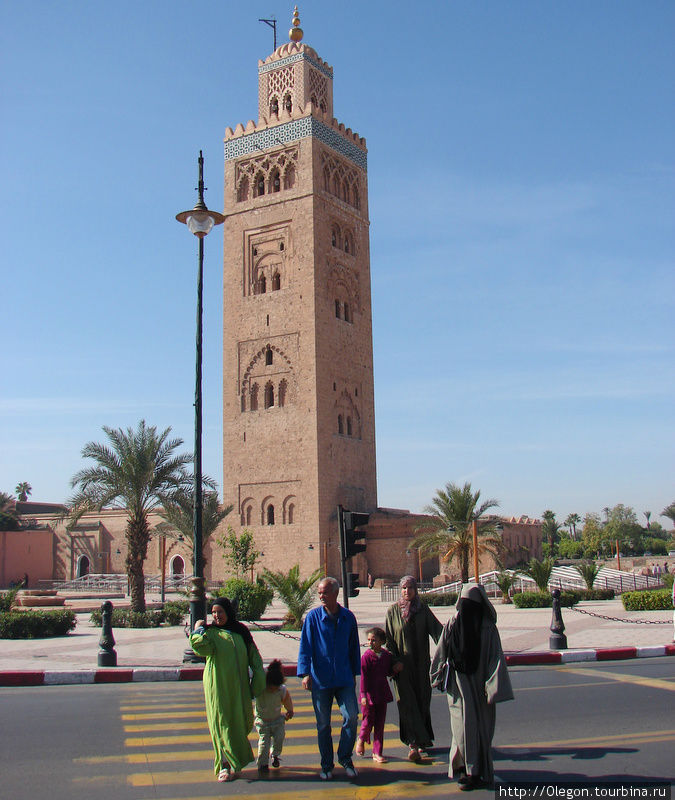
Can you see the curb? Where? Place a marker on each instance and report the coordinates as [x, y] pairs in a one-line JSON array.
[[152, 674]]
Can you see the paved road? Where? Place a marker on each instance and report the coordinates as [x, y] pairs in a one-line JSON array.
[[609, 721]]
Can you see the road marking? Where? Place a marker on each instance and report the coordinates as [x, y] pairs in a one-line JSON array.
[[155, 727], [627, 736], [562, 686], [620, 677]]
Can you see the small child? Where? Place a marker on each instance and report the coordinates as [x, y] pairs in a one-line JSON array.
[[269, 721], [375, 693]]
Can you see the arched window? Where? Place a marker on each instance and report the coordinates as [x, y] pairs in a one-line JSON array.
[[275, 181], [259, 184], [322, 106], [348, 317], [291, 513], [274, 106], [276, 282], [269, 356], [345, 191], [243, 401], [333, 238], [288, 103], [349, 426], [357, 200], [254, 397], [262, 284], [346, 244], [289, 178], [337, 309], [270, 515], [283, 390], [340, 426], [242, 192], [312, 100], [326, 179], [248, 514], [269, 395]]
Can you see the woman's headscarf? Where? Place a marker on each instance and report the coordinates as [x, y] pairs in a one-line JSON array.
[[409, 607], [465, 632], [233, 625]]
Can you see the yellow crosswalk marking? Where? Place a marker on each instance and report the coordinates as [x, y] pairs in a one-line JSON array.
[[621, 677], [292, 732], [626, 736]]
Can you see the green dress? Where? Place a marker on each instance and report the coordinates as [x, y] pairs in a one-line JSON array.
[[229, 693], [408, 643]]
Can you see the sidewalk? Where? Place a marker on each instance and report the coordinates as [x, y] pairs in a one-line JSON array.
[[157, 653]]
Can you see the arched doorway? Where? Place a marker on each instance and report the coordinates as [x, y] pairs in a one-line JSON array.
[[83, 566], [177, 568]]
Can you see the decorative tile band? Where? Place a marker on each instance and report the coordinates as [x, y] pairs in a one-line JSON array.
[[283, 62], [291, 132]]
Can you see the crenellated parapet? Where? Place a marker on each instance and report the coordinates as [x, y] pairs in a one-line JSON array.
[[294, 51]]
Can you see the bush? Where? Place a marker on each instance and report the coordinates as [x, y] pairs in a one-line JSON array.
[[7, 599], [175, 611], [251, 599], [36, 624], [172, 614], [668, 580], [654, 600], [532, 600], [440, 599]]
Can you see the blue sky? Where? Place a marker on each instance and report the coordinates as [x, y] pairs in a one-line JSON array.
[[521, 189]]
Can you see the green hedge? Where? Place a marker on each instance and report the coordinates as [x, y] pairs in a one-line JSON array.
[[568, 597], [650, 600], [251, 599], [7, 599], [172, 614], [36, 624], [438, 599]]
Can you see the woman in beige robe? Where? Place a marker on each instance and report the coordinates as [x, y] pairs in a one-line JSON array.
[[469, 665]]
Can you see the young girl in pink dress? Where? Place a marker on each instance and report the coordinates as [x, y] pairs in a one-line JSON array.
[[375, 693]]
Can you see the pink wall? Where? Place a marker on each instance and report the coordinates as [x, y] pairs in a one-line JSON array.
[[26, 552]]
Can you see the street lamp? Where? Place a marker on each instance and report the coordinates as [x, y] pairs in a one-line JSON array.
[[200, 221]]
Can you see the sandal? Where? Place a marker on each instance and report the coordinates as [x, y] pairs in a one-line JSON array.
[[360, 748], [224, 775], [379, 759], [414, 755]]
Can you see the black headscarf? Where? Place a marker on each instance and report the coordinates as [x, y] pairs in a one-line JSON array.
[[464, 636], [232, 625]]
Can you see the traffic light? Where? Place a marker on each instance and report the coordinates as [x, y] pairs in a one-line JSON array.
[[353, 584], [351, 521]]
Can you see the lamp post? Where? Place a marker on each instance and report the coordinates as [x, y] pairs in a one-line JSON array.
[[199, 221]]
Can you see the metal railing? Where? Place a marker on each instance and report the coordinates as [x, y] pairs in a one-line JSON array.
[[115, 582]]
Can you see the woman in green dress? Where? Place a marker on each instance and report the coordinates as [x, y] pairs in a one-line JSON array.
[[409, 624], [229, 650]]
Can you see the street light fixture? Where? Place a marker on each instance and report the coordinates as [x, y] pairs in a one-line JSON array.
[[199, 221]]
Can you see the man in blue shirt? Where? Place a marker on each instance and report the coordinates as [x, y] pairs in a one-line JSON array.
[[328, 663]]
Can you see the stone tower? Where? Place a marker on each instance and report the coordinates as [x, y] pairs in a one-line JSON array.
[[298, 406]]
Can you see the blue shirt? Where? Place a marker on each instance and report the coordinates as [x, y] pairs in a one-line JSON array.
[[329, 648]]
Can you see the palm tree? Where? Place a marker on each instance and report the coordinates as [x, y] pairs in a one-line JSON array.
[[669, 511], [138, 471], [648, 515], [571, 522], [22, 490], [178, 517], [550, 529], [10, 519], [540, 572], [505, 581], [588, 571], [448, 532], [295, 594]]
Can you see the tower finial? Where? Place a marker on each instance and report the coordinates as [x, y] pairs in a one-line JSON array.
[[295, 34]]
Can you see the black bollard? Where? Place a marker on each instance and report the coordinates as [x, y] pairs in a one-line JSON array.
[[558, 641], [107, 657]]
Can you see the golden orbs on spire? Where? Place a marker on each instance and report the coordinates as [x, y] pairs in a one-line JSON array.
[[295, 34]]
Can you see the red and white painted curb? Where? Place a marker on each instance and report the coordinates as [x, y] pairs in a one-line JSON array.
[[147, 674]]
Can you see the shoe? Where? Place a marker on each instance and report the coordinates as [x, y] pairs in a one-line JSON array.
[[414, 755], [471, 782], [275, 762], [349, 769], [326, 774], [379, 759], [360, 748]]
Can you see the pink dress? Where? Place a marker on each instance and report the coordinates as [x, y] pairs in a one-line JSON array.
[[375, 689]]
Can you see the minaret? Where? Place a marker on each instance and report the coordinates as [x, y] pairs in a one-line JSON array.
[[298, 406]]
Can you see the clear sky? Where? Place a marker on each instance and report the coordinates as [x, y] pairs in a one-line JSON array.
[[521, 187]]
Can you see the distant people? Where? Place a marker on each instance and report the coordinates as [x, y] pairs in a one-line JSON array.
[[24, 583], [270, 722], [230, 652], [328, 663], [469, 665], [409, 624], [370, 581], [375, 693]]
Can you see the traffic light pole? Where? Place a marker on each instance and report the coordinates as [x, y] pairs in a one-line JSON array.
[[343, 556]]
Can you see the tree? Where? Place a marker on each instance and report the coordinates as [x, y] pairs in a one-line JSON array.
[[588, 571], [10, 519], [240, 553], [540, 572], [138, 470], [622, 525], [669, 512], [648, 516], [295, 594], [448, 534], [550, 530], [505, 581], [22, 490], [178, 518], [571, 521], [594, 536]]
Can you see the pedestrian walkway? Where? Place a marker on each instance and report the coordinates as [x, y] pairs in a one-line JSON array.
[[604, 630]]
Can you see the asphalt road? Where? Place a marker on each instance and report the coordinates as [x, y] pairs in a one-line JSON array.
[[597, 721]]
